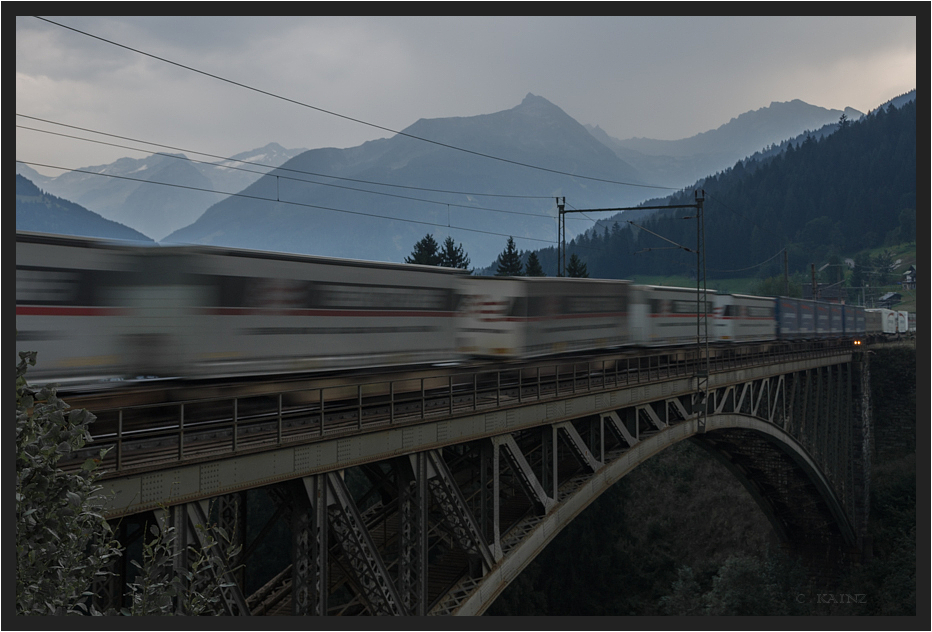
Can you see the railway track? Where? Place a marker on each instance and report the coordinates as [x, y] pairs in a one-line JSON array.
[[146, 429]]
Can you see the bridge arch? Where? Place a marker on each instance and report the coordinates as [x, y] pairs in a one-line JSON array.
[[758, 453], [493, 464]]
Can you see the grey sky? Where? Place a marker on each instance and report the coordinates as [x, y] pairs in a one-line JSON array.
[[656, 77]]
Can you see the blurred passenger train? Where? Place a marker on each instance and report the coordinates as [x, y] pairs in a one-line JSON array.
[[97, 311]]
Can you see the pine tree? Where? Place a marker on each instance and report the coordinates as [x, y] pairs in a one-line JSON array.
[[453, 256], [509, 262], [533, 268], [576, 268], [426, 252]]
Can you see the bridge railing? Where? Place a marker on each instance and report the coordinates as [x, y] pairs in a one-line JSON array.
[[147, 437]]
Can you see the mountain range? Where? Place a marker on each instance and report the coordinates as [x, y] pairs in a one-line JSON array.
[[821, 198], [378, 199], [40, 212], [679, 163], [426, 187], [127, 196]]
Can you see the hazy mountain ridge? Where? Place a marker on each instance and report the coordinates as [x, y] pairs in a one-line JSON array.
[[40, 212], [304, 214], [535, 132], [844, 192], [154, 209], [681, 162]]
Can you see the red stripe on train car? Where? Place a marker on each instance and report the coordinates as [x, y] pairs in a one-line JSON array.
[[343, 313]]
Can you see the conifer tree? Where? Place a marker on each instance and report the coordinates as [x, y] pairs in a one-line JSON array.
[[426, 252], [576, 268], [453, 256], [533, 268], [509, 262]]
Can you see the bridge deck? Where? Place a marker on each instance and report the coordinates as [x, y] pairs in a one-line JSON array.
[[167, 452]]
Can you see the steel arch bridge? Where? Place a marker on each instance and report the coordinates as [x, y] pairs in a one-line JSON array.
[[428, 493]]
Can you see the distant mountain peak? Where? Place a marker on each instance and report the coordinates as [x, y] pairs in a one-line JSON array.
[[534, 132], [533, 99], [534, 104]]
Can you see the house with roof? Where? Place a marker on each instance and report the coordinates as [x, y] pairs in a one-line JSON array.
[[889, 299]]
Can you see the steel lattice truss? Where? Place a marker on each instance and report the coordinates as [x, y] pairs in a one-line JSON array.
[[443, 530]]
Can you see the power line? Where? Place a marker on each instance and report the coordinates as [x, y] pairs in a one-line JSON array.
[[257, 164], [349, 118], [782, 250], [325, 184], [278, 201]]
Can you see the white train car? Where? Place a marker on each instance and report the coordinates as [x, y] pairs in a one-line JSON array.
[[742, 318], [526, 317], [663, 315], [881, 321], [249, 312], [902, 322], [75, 307], [97, 312]]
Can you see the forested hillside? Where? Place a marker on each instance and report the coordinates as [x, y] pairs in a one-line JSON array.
[[40, 212], [844, 193]]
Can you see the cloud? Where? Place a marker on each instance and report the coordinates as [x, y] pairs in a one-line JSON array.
[[658, 77]]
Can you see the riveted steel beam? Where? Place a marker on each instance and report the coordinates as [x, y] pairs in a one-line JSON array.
[[456, 514], [618, 426], [579, 448], [529, 482], [439, 482], [413, 500], [370, 573]]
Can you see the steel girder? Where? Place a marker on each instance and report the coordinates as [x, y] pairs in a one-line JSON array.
[[190, 528], [494, 503], [753, 428]]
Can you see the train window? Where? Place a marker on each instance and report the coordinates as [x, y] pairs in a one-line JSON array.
[[541, 306], [593, 304], [259, 292], [60, 286], [518, 307], [277, 293], [375, 297], [45, 286], [684, 307]]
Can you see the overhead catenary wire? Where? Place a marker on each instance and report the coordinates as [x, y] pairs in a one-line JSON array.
[[349, 118], [781, 251], [258, 164], [374, 215], [301, 204], [326, 184], [329, 112]]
